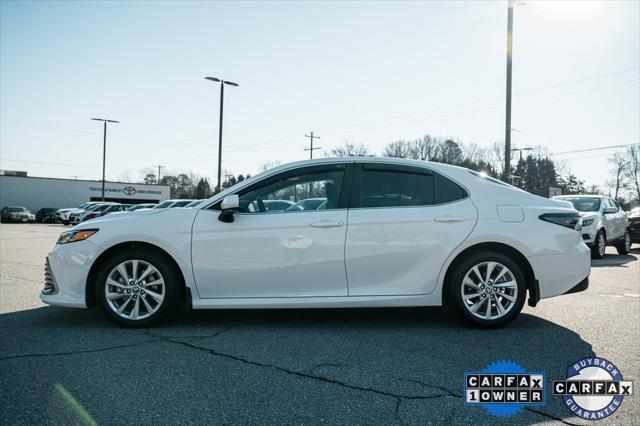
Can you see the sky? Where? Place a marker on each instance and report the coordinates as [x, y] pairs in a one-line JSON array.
[[363, 72]]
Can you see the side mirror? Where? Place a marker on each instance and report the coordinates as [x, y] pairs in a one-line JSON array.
[[609, 210], [229, 205]]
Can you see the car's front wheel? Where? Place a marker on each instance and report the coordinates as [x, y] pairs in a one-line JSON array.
[[624, 246], [487, 289], [599, 245], [136, 288]]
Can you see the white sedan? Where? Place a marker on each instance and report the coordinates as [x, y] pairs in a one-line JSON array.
[[392, 233]]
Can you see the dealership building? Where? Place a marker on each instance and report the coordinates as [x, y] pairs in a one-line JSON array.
[[34, 193]]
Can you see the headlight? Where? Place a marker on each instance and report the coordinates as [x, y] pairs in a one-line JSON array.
[[587, 222], [73, 236]]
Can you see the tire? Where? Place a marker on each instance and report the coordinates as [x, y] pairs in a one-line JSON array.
[[152, 302], [511, 298], [599, 245], [624, 246]]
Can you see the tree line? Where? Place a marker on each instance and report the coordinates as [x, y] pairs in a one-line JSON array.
[[533, 173]]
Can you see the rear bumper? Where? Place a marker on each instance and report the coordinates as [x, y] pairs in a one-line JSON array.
[[558, 274], [581, 286]]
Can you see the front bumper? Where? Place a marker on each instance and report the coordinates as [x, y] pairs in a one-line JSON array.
[[589, 234], [634, 230], [68, 266]]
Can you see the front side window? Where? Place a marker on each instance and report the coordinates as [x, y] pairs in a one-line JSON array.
[[317, 190]]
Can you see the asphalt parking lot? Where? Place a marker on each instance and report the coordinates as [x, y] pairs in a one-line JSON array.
[[391, 366]]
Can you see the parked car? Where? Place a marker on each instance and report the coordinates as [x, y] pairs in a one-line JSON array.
[[194, 203], [141, 206], [104, 210], [169, 204], [634, 225], [80, 215], [277, 205], [394, 233], [604, 223], [64, 215], [307, 204], [46, 215], [16, 214]]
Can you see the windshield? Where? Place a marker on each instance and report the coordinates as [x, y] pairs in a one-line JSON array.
[[163, 205], [194, 203], [17, 209], [584, 204], [181, 203]]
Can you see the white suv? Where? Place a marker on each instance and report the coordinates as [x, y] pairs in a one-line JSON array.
[[604, 223]]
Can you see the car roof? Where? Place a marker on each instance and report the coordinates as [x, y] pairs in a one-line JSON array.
[[581, 196]]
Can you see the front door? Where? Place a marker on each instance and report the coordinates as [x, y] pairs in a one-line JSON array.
[[287, 240]]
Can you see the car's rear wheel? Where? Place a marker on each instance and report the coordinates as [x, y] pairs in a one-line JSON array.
[[136, 288], [599, 245], [487, 289], [624, 246]]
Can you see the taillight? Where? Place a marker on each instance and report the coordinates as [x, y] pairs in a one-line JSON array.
[[568, 220]]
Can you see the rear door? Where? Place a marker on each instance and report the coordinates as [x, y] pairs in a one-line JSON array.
[[404, 222]]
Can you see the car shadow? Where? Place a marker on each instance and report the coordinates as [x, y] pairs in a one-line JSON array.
[[616, 259], [411, 358]]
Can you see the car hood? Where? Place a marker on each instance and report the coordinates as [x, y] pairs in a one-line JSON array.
[[588, 215]]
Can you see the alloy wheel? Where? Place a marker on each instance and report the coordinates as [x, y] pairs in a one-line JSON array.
[[602, 245], [135, 289], [489, 290]]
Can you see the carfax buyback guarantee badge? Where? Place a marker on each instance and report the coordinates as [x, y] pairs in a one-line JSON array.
[[594, 388], [504, 388]]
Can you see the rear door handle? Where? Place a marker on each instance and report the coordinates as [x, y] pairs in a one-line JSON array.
[[325, 223], [449, 219]]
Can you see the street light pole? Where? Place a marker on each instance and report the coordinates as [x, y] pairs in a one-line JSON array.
[[104, 148], [222, 83], [507, 130]]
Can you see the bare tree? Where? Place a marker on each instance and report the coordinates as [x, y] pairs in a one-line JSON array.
[[348, 149], [619, 166], [398, 149], [632, 171], [269, 165], [496, 157], [126, 176], [424, 148]]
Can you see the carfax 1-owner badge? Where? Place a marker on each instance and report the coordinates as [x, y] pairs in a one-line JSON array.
[[594, 388], [504, 388]]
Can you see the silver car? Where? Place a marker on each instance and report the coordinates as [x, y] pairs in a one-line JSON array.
[[604, 223]]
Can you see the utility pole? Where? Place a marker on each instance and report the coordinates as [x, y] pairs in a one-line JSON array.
[[158, 177], [227, 177], [522, 149], [311, 149], [222, 83], [507, 130], [104, 148]]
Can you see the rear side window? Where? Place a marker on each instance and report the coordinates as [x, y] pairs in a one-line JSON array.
[[405, 188], [448, 191], [395, 189]]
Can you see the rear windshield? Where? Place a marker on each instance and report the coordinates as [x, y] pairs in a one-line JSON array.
[[17, 209], [584, 204], [490, 179]]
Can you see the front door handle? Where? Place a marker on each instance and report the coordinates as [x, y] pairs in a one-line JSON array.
[[449, 218], [325, 223]]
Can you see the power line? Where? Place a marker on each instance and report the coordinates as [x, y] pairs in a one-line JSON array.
[[595, 149], [311, 148]]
